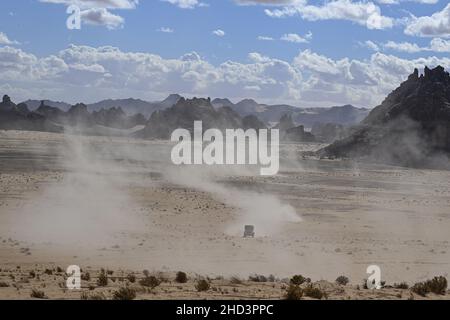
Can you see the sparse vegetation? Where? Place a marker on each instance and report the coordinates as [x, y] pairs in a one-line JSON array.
[[342, 280], [86, 276], [181, 277], [150, 281], [131, 277], [235, 280], [437, 285], [313, 292], [401, 285], [257, 278], [293, 292], [124, 293], [102, 280], [94, 296], [4, 285], [48, 272], [202, 285], [298, 280], [37, 294]]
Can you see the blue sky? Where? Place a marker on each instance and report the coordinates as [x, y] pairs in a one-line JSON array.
[[314, 53]]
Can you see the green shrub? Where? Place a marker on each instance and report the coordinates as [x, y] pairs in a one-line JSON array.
[[202, 285], [181, 277], [293, 292]]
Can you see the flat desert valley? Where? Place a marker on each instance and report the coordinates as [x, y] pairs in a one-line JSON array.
[[117, 204]]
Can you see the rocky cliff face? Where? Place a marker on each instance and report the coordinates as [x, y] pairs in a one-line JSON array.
[[411, 127]]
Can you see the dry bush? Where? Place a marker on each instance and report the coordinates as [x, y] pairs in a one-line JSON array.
[[181, 277], [202, 285], [124, 293], [342, 280], [102, 280], [293, 292], [150, 282], [37, 294]]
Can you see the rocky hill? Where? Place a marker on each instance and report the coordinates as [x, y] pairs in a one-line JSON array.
[[411, 127], [18, 117], [183, 114]]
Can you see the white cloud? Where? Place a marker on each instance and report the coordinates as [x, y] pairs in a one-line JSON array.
[[363, 13], [265, 38], [90, 74], [436, 25], [101, 17], [187, 4], [219, 33], [371, 45], [403, 46], [436, 45], [295, 38], [4, 40], [98, 12], [166, 30]]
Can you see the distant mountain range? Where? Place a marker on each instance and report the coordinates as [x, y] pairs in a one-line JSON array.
[[346, 115]]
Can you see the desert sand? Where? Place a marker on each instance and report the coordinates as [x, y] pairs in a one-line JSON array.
[[117, 203]]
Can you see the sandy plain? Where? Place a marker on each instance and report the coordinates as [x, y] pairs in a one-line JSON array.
[[117, 203]]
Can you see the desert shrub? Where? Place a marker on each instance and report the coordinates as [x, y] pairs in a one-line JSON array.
[[4, 285], [298, 280], [37, 294], [32, 274], [401, 285], [86, 276], [235, 280], [293, 292], [102, 280], [202, 285], [271, 278], [257, 278], [48, 272], [181, 277], [94, 296], [146, 273], [342, 280], [437, 285], [420, 288], [59, 269], [131, 277], [109, 272], [150, 282], [124, 293], [313, 292]]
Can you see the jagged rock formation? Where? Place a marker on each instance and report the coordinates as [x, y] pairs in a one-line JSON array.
[[116, 118], [290, 132], [18, 117], [183, 114], [411, 127]]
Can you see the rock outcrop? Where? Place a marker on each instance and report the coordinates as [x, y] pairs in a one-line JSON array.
[[411, 127]]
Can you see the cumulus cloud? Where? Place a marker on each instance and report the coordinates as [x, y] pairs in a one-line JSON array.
[[98, 12], [371, 45], [363, 13], [4, 40], [436, 25], [295, 38], [436, 45], [310, 79]]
